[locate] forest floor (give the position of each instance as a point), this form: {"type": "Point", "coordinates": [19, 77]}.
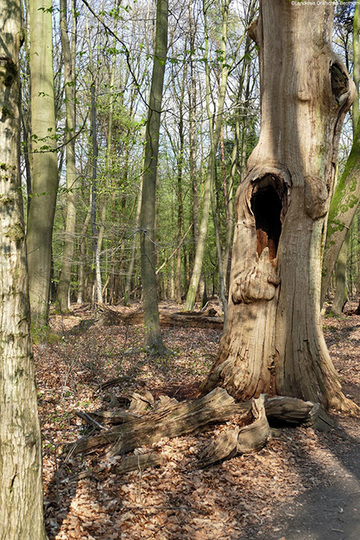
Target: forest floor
{"type": "Point", "coordinates": [304, 484]}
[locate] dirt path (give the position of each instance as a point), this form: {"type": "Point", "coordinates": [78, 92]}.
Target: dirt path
{"type": "Point", "coordinates": [330, 510]}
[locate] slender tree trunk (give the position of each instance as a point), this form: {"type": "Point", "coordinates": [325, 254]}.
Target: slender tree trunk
{"type": "Point", "coordinates": [21, 496]}
{"type": "Point", "coordinates": [273, 339]}
{"type": "Point", "coordinates": [153, 339]}
{"type": "Point", "coordinates": [95, 151]}
{"type": "Point", "coordinates": [44, 161]}
{"type": "Point", "coordinates": [63, 291]}
{"type": "Point", "coordinates": [130, 271]}
{"type": "Point", "coordinates": [215, 136]}
{"type": "Point", "coordinates": [192, 134]}
{"type": "Point", "coordinates": [345, 200]}
{"type": "Point", "coordinates": [340, 280]}
{"type": "Point", "coordinates": [82, 240]}
{"type": "Point", "coordinates": [108, 165]}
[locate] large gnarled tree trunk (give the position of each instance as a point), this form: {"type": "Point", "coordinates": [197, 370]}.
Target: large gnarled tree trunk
{"type": "Point", "coordinates": [273, 339]}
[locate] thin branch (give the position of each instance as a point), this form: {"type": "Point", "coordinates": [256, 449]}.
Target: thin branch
{"type": "Point", "coordinates": [173, 253]}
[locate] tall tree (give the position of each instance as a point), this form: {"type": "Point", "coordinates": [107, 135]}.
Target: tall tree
{"type": "Point", "coordinates": [345, 200]}
{"type": "Point", "coordinates": [215, 128]}
{"type": "Point", "coordinates": [20, 446]}
{"type": "Point", "coordinates": [273, 340]}
{"type": "Point", "coordinates": [69, 51]}
{"type": "Point", "coordinates": [153, 338]}
{"type": "Point", "coordinates": [44, 161]}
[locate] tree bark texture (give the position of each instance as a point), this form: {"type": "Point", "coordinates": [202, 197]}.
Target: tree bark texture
{"type": "Point", "coordinates": [44, 161]}
{"type": "Point", "coordinates": [273, 340]}
{"type": "Point", "coordinates": [63, 290]}
{"type": "Point", "coordinates": [347, 192]}
{"type": "Point", "coordinates": [139, 426]}
{"type": "Point", "coordinates": [153, 339]}
{"type": "Point", "coordinates": [20, 445]}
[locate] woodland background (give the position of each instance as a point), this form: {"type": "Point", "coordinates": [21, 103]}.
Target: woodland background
{"type": "Point", "coordinates": [111, 52]}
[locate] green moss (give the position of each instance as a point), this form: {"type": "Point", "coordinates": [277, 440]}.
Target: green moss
{"type": "Point", "coordinates": [44, 334]}
{"type": "Point", "coordinates": [16, 233]}
{"type": "Point", "coordinates": [6, 200]}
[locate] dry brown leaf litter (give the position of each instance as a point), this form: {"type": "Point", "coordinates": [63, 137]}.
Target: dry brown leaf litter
{"type": "Point", "coordinates": [251, 496]}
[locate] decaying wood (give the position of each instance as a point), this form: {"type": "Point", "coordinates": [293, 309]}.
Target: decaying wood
{"type": "Point", "coordinates": [107, 316]}
{"type": "Point", "coordinates": [140, 462]}
{"type": "Point", "coordinates": [291, 410]}
{"type": "Point", "coordinates": [273, 336]}
{"type": "Point", "coordinates": [118, 416]}
{"type": "Point", "coordinates": [240, 440]}
{"type": "Point", "coordinates": [254, 436]}
{"type": "Point", "coordinates": [141, 402]}
{"type": "Point", "coordinates": [178, 419]}
{"type": "Point", "coordinates": [170, 418]}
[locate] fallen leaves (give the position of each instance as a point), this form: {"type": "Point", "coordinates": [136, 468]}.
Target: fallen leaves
{"type": "Point", "coordinates": [246, 497]}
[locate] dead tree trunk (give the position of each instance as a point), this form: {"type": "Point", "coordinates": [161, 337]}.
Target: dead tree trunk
{"type": "Point", "coordinates": [273, 339]}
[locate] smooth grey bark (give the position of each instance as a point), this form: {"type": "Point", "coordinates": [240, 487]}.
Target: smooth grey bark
{"type": "Point", "coordinates": [95, 153]}
{"type": "Point", "coordinates": [44, 161]}
{"type": "Point", "coordinates": [63, 290]}
{"type": "Point", "coordinates": [21, 496]}
{"type": "Point", "coordinates": [192, 132]}
{"type": "Point", "coordinates": [153, 338]}
{"type": "Point", "coordinates": [273, 340]}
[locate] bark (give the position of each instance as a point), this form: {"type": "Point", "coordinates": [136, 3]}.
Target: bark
{"type": "Point", "coordinates": [20, 444]}
{"type": "Point", "coordinates": [81, 277]}
{"type": "Point", "coordinates": [153, 339]}
{"type": "Point", "coordinates": [130, 271]}
{"type": "Point", "coordinates": [63, 290]}
{"type": "Point", "coordinates": [273, 339]}
{"type": "Point", "coordinates": [108, 165]}
{"type": "Point", "coordinates": [340, 298]}
{"type": "Point", "coordinates": [169, 418]}
{"type": "Point", "coordinates": [346, 196]}
{"type": "Point", "coordinates": [95, 152]}
{"type": "Point", "coordinates": [240, 440]}
{"type": "Point", "coordinates": [44, 161]}
{"type": "Point", "coordinates": [192, 132]}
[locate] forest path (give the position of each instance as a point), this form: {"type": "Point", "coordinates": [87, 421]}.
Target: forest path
{"type": "Point", "coordinates": [331, 509]}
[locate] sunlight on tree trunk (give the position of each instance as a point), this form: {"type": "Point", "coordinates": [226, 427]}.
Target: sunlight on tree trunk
{"type": "Point", "coordinates": [153, 339]}
{"type": "Point", "coordinates": [273, 340]}
{"type": "Point", "coordinates": [44, 161]}
{"type": "Point", "coordinates": [345, 200]}
{"type": "Point", "coordinates": [20, 444]}
{"type": "Point", "coordinates": [63, 290]}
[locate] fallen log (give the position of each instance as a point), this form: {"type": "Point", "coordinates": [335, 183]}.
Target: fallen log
{"type": "Point", "coordinates": [140, 462]}
{"type": "Point", "coordinates": [240, 440]}
{"type": "Point", "coordinates": [294, 411]}
{"type": "Point", "coordinates": [107, 316]}
{"type": "Point", "coordinates": [173, 419]}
